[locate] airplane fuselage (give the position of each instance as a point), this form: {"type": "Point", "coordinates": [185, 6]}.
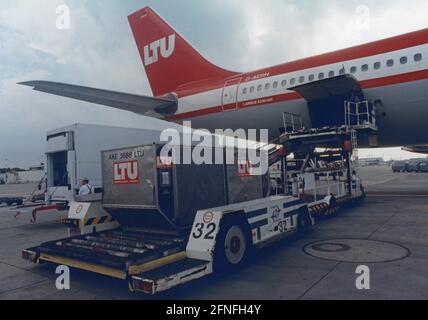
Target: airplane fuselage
{"type": "Point", "coordinates": [391, 73]}
{"type": "Point", "coordinates": [396, 78]}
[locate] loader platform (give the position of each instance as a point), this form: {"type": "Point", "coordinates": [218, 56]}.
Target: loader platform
{"type": "Point", "coordinates": [118, 253]}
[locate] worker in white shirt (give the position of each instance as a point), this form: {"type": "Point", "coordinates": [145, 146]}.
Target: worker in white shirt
{"type": "Point", "coordinates": [86, 188]}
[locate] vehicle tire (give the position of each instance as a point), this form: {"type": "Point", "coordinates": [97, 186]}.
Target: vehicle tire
{"type": "Point", "coordinates": [303, 222]}
{"type": "Point", "coordinates": [233, 245]}
{"type": "Point", "coordinates": [19, 203]}
{"type": "Point", "coordinates": [9, 203]}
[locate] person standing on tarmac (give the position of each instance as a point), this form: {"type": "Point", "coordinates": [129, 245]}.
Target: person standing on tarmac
{"type": "Point", "coordinates": [86, 188]}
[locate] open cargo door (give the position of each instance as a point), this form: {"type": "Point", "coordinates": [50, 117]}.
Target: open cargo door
{"type": "Point", "coordinates": [326, 99]}
{"type": "Point", "coordinates": [59, 148]}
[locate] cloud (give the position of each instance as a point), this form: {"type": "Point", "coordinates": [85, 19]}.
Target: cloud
{"type": "Point", "coordinates": [99, 50]}
{"type": "Point", "coordinates": [271, 31]}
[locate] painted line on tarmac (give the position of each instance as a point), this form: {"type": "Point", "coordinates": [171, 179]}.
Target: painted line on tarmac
{"type": "Point", "coordinates": [380, 182]}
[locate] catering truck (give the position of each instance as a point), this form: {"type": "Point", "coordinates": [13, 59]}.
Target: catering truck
{"type": "Point", "coordinates": [10, 200]}
{"type": "Point", "coordinates": [73, 153]}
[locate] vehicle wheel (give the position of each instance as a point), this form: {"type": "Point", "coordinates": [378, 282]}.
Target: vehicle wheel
{"type": "Point", "coordinates": [233, 245]}
{"type": "Point", "coordinates": [19, 203]}
{"type": "Point", "coordinates": [9, 203]}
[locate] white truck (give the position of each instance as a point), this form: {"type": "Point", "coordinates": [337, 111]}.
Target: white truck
{"type": "Point", "coordinates": [73, 153]}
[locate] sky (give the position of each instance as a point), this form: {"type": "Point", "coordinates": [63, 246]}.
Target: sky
{"type": "Point", "coordinates": [99, 51]}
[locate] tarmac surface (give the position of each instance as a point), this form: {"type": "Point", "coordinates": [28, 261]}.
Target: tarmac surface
{"type": "Point", "coordinates": [388, 233]}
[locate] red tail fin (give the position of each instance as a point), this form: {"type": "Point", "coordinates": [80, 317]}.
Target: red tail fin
{"type": "Point", "coordinates": [168, 59]}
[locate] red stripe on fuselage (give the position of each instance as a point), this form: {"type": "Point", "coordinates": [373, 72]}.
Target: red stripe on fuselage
{"type": "Point", "coordinates": [366, 84]}
{"type": "Point", "coordinates": [401, 42]}
{"type": "Point", "coordinates": [395, 79]}
{"type": "Point", "coordinates": [405, 41]}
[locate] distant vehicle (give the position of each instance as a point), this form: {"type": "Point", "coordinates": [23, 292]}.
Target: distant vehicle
{"type": "Point", "coordinates": [415, 165]}
{"type": "Point", "coordinates": [423, 166]}
{"type": "Point", "coordinates": [400, 166]}
{"type": "Point", "coordinates": [371, 162]}
{"type": "Point", "coordinates": [11, 200]}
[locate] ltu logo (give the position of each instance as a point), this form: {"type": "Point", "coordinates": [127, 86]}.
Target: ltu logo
{"type": "Point", "coordinates": [126, 172]}
{"type": "Point", "coordinates": [151, 51]}
{"type": "Point", "coordinates": [276, 211]}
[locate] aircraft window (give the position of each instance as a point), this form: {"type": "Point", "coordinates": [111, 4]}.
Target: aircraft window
{"type": "Point", "coordinates": [275, 84]}
{"type": "Point", "coordinates": [284, 83]}
{"type": "Point", "coordinates": [403, 60]}
{"type": "Point", "coordinates": [321, 76]}
{"type": "Point", "coordinates": [252, 89]}
{"type": "Point", "coordinates": [267, 86]}
{"type": "Point", "coordinates": [311, 77]}
{"type": "Point", "coordinates": [302, 79]}
{"type": "Point", "coordinates": [353, 70]}
{"type": "Point", "coordinates": [390, 63]}
{"type": "Point", "coordinates": [418, 57]}
{"type": "Point", "coordinates": [259, 87]}
{"type": "Point", "coordinates": [292, 81]}
{"type": "Point", "coordinates": [331, 74]}
{"type": "Point", "coordinates": [245, 91]}
{"type": "Point", "coordinates": [365, 68]}
{"type": "Point", "coordinates": [377, 65]}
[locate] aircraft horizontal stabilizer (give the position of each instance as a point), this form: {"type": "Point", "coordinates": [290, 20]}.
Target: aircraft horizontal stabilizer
{"type": "Point", "coordinates": [143, 105]}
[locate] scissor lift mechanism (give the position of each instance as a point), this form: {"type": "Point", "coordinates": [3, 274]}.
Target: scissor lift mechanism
{"type": "Point", "coordinates": [336, 148]}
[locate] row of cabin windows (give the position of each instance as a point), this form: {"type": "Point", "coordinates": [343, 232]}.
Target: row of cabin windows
{"type": "Point", "coordinates": [364, 68]}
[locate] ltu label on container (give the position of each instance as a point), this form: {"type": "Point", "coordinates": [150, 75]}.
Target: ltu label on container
{"type": "Point", "coordinates": [126, 172]}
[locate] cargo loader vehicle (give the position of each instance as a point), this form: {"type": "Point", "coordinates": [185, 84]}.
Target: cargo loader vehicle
{"type": "Point", "coordinates": [180, 222]}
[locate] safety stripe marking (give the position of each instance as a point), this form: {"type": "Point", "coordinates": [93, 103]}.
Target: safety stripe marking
{"type": "Point", "coordinates": [292, 203]}
{"type": "Point", "coordinates": [318, 207]}
{"type": "Point", "coordinates": [253, 214]}
{"type": "Point", "coordinates": [98, 220]}
{"type": "Point", "coordinates": [259, 224]}
{"type": "Point", "coordinates": [290, 213]}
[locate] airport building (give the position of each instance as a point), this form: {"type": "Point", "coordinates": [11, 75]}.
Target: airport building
{"type": "Point", "coordinates": [33, 175]}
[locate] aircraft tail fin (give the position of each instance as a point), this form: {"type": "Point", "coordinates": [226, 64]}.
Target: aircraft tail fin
{"type": "Point", "coordinates": [168, 59]}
